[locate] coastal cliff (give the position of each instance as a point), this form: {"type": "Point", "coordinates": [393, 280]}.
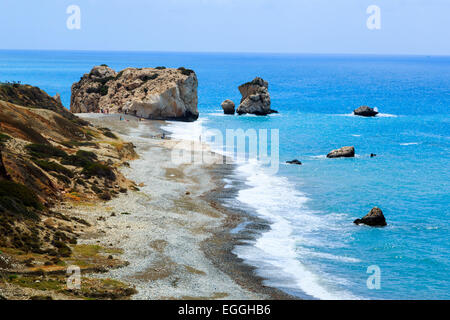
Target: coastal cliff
{"type": "Point", "coordinates": [50, 157]}
{"type": "Point", "coordinates": [152, 93]}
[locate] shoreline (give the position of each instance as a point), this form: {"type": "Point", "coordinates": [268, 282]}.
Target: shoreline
{"type": "Point", "coordinates": [248, 227]}
{"type": "Point", "coordinates": [210, 270]}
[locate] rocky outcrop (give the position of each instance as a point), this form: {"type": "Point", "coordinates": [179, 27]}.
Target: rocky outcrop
{"type": "Point", "coordinates": [57, 97]}
{"type": "Point", "coordinates": [152, 93]}
{"type": "Point", "coordinates": [344, 152]}
{"type": "Point", "coordinates": [295, 161]}
{"type": "Point", "coordinates": [255, 98]}
{"type": "Point", "coordinates": [365, 111]}
{"type": "Point", "coordinates": [374, 218]}
{"type": "Point", "coordinates": [228, 107]}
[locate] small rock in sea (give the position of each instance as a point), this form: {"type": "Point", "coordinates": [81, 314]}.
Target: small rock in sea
{"type": "Point", "coordinates": [365, 111]}
{"type": "Point", "coordinates": [344, 152]}
{"type": "Point", "coordinates": [228, 107]}
{"type": "Point", "coordinates": [373, 155]}
{"type": "Point", "coordinates": [374, 218]}
{"type": "Point", "coordinates": [295, 161]}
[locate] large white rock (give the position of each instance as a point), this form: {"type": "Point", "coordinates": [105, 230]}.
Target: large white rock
{"type": "Point", "coordinates": [153, 93]}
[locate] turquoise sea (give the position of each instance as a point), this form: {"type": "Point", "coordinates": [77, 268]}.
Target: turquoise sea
{"type": "Point", "coordinates": [312, 248]}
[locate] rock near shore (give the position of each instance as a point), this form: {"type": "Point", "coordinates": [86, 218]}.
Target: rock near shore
{"type": "Point", "coordinates": [344, 152]}
{"type": "Point", "coordinates": [152, 93]}
{"type": "Point", "coordinates": [365, 111]}
{"type": "Point", "coordinates": [228, 107]}
{"type": "Point", "coordinates": [374, 218]}
{"type": "Point", "coordinates": [295, 161]}
{"type": "Point", "coordinates": [255, 98]}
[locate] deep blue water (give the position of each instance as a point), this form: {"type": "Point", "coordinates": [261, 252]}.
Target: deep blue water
{"type": "Point", "coordinates": [313, 248]}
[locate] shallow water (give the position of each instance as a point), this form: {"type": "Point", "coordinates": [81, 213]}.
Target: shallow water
{"type": "Point", "coordinates": [313, 249]}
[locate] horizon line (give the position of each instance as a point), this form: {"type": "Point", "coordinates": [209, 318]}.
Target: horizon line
{"type": "Point", "coordinates": [236, 52]}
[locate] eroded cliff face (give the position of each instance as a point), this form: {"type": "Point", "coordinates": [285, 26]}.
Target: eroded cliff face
{"type": "Point", "coordinates": [152, 93]}
{"type": "Point", "coordinates": [49, 156]}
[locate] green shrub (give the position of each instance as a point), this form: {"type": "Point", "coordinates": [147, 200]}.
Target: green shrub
{"type": "Point", "coordinates": [96, 189]}
{"type": "Point", "coordinates": [92, 90]}
{"type": "Point", "coordinates": [53, 166]}
{"type": "Point", "coordinates": [104, 90]}
{"type": "Point", "coordinates": [105, 196]}
{"type": "Point", "coordinates": [4, 137]}
{"type": "Point", "coordinates": [63, 249]}
{"type": "Point", "coordinates": [62, 178]}
{"type": "Point", "coordinates": [86, 154]}
{"type": "Point", "coordinates": [103, 81]}
{"type": "Point", "coordinates": [15, 193]}
{"type": "Point", "coordinates": [186, 72]}
{"type": "Point", "coordinates": [81, 159]}
{"type": "Point", "coordinates": [149, 77]}
{"type": "Point", "coordinates": [160, 68]}
{"type": "Point", "coordinates": [44, 151]}
{"type": "Point", "coordinates": [109, 134]}
{"type": "Point", "coordinates": [104, 65]}
{"type": "Point", "coordinates": [76, 161]}
{"type": "Point", "coordinates": [99, 170]}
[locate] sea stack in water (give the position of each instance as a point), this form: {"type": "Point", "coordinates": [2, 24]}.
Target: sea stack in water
{"type": "Point", "coordinates": [228, 107]}
{"type": "Point", "coordinates": [344, 152]}
{"type": "Point", "coordinates": [295, 161]}
{"type": "Point", "coordinates": [365, 111]}
{"type": "Point", "coordinates": [152, 93]}
{"type": "Point", "coordinates": [374, 218]}
{"type": "Point", "coordinates": [255, 98]}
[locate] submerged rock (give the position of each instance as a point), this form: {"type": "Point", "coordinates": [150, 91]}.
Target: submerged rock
{"type": "Point", "coordinates": [295, 161]}
{"type": "Point", "coordinates": [374, 218]}
{"type": "Point", "coordinates": [344, 152]}
{"type": "Point", "coordinates": [365, 111]}
{"type": "Point", "coordinates": [228, 107]}
{"type": "Point", "coordinates": [255, 98]}
{"type": "Point", "coordinates": [152, 93]}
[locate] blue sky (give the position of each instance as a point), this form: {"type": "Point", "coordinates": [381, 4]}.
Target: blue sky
{"type": "Point", "coordinates": [292, 26]}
